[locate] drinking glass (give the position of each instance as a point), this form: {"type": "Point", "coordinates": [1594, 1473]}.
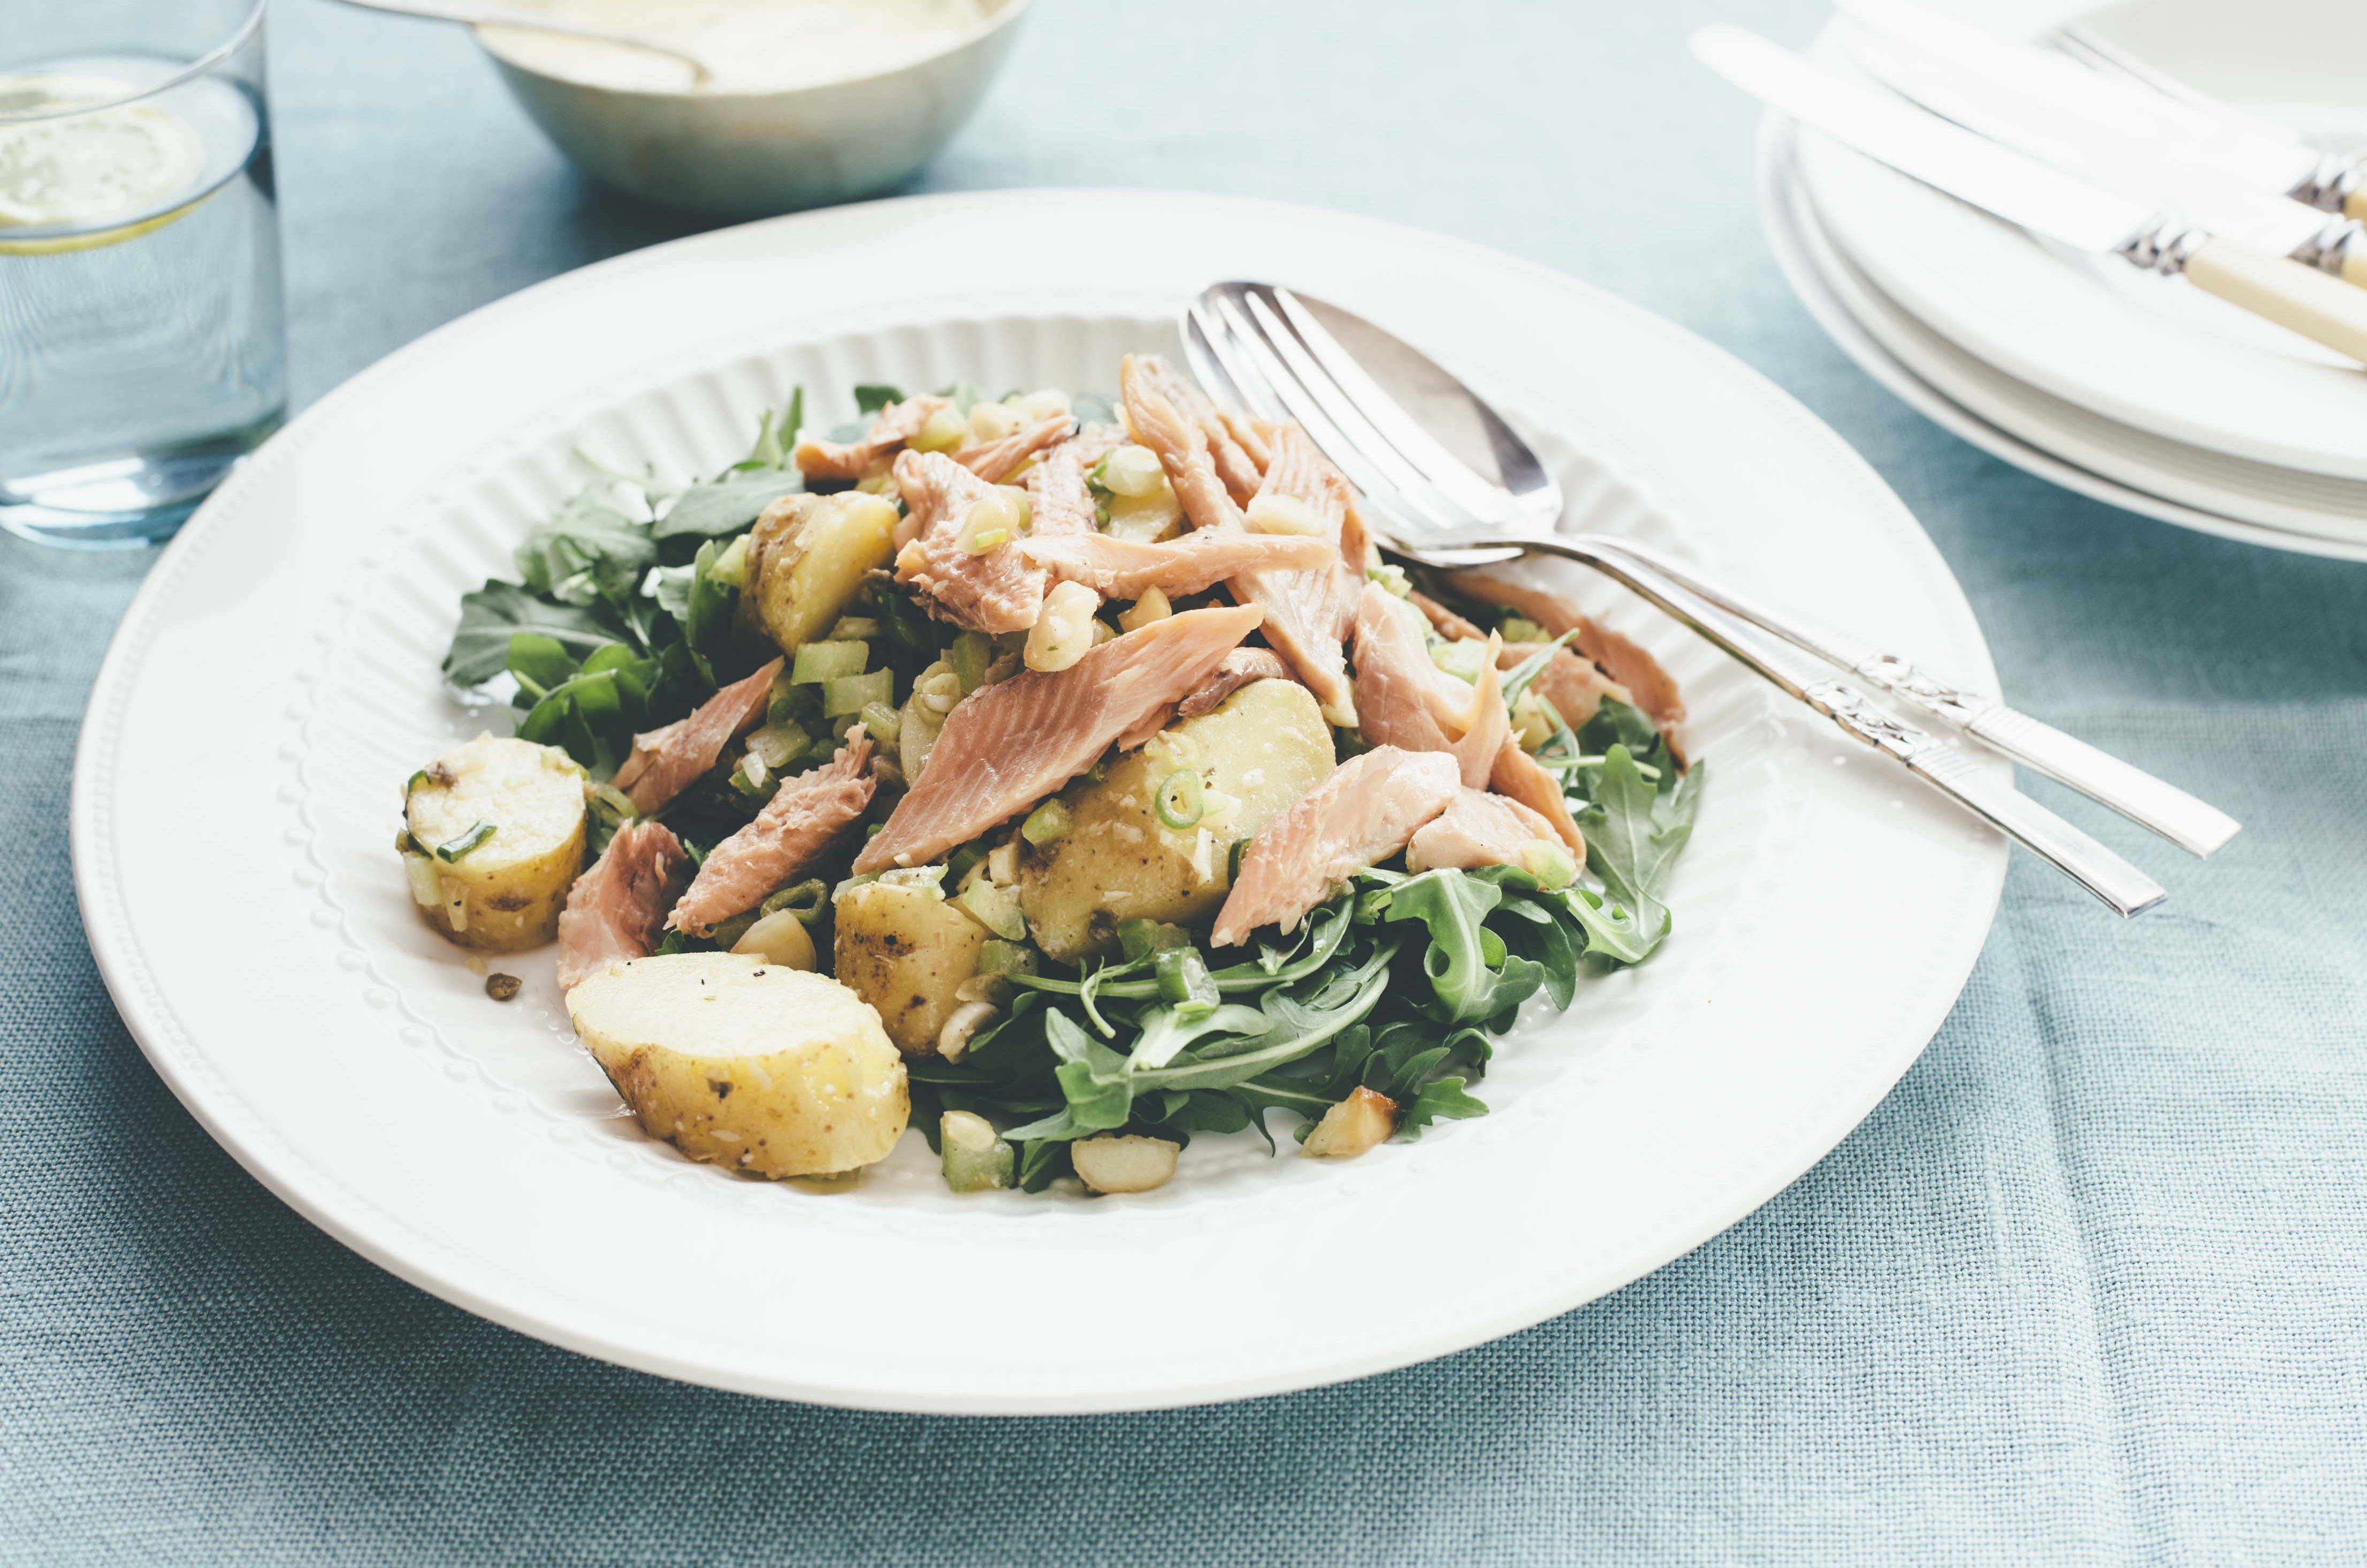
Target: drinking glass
{"type": "Point", "coordinates": [141, 343]}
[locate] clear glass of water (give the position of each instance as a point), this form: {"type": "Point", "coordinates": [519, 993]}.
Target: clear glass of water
{"type": "Point", "coordinates": [140, 341]}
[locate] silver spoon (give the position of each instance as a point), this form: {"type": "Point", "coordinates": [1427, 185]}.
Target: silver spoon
{"type": "Point", "coordinates": [495, 16]}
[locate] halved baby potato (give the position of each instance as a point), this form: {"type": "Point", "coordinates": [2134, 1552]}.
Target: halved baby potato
{"type": "Point", "coordinates": [509, 813]}
{"type": "Point", "coordinates": [906, 950]}
{"type": "Point", "coordinates": [1264, 747]}
{"type": "Point", "coordinates": [807, 557]}
{"type": "Point", "coordinates": [742, 1062]}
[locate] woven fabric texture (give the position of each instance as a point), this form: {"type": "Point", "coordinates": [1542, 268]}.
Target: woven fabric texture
{"type": "Point", "coordinates": [2086, 1289]}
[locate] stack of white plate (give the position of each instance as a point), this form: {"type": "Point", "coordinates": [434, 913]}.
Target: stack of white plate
{"type": "Point", "coordinates": [2133, 389]}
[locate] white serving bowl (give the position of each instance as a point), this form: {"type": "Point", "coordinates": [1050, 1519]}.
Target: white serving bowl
{"type": "Point", "coordinates": [738, 154]}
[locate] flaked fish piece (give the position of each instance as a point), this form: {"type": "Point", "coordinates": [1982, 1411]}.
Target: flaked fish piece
{"type": "Point", "coordinates": [1519, 776]}
{"type": "Point", "coordinates": [1058, 503]}
{"type": "Point", "coordinates": [1251, 435]}
{"type": "Point", "coordinates": [1128, 568]}
{"type": "Point", "coordinates": [992, 591]}
{"type": "Point", "coordinates": [794, 830]}
{"type": "Point", "coordinates": [1574, 686]}
{"type": "Point", "coordinates": [995, 461]}
{"type": "Point", "coordinates": [666, 761]}
{"type": "Point", "coordinates": [1007, 746]}
{"type": "Point", "coordinates": [1365, 812]}
{"type": "Point", "coordinates": [1239, 668]}
{"type": "Point", "coordinates": [1480, 829]}
{"type": "Point", "coordinates": [1307, 614]}
{"type": "Point", "coordinates": [1405, 700]}
{"type": "Point", "coordinates": [1093, 442]}
{"type": "Point", "coordinates": [617, 910]}
{"type": "Point", "coordinates": [1622, 659]}
{"type": "Point", "coordinates": [891, 428]}
{"type": "Point", "coordinates": [1240, 473]}
{"type": "Point", "coordinates": [1445, 622]}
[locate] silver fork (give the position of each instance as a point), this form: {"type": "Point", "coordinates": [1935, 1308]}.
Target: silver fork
{"type": "Point", "coordinates": [1261, 349]}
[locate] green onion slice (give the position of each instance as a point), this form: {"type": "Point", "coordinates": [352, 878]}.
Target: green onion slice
{"type": "Point", "coordinates": [454, 849]}
{"type": "Point", "coordinates": [1179, 801]}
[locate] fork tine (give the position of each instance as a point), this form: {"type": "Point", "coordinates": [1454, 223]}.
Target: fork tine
{"type": "Point", "coordinates": [1333, 420]}
{"type": "Point", "coordinates": [1209, 350]}
{"type": "Point", "coordinates": [1258, 365]}
{"type": "Point", "coordinates": [1456, 479]}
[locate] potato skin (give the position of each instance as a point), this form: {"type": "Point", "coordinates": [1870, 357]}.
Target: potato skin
{"type": "Point", "coordinates": [905, 951]}
{"type": "Point", "coordinates": [1266, 746]}
{"type": "Point", "coordinates": [807, 558]}
{"type": "Point", "coordinates": [744, 1063]}
{"type": "Point", "coordinates": [505, 895]}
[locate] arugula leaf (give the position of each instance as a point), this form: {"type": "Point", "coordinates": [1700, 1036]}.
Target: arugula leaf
{"type": "Point", "coordinates": [588, 549]}
{"type": "Point", "coordinates": [1631, 843]}
{"type": "Point", "coordinates": [726, 505]}
{"type": "Point", "coordinates": [1469, 979]}
{"type": "Point", "coordinates": [1612, 931]}
{"type": "Point", "coordinates": [1441, 1098]}
{"type": "Point", "coordinates": [871, 397]}
{"type": "Point", "coordinates": [480, 644]}
{"type": "Point", "coordinates": [1093, 407]}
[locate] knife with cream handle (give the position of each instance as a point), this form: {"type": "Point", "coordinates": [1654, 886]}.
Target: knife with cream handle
{"type": "Point", "coordinates": [2035, 196]}
{"type": "Point", "coordinates": [2134, 166]}
{"type": "Point", "coordinates": [2335, 181]}
{"type": "Point", "coordinates": [2128, 101]}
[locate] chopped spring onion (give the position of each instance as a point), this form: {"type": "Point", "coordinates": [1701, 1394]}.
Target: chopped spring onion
{"type": "Point", "coordinates": [1046, 823]}
{"type": "Point", "coordinates": [855, 629]}
{"type": "Point", "coordinates": [753, 770]}
{"type": "Point", "coordinates": [1238, 847]}
{"type": "Point", "coordinates": [944, 431]}
{"type": "Point", "coordinates": [1391, 577]}
{"type": "Point", "coordinates": [414, 782]}
{"type": "Point", "coordinates": [996, 956]}
{"type": "Point", "coordinates": [1139, 939]}
{"type": "Point", "coordinates": [804, 900]}
{"type": "Point", "coordinates": [1183, 980]}
{"type": "Point", "coordinates": [1520, 628]}
{"type": "Point", "coordinates": [819, 661]}
{"type": "Point", "coordinates": [778, 744]}
{"type": "Point", "coordinates": [997, 908]}
{"type": "Point", "coordinates": [986, 540]}
{"type": "Point", "coordinates": [969, 656]}
{"type": "Point", "coordinates": [973, 1158]}
{"type": "Point", "coordinates": [884, 723]}
{"type": "Point", "coordinates": [730, 567]}
{"type": "Point", "coordinates": [849, 693]}
{"type": "Point", "coordinates": [1462, 660]}
{"type": "Point", "coordinates": [454, 849]}
{"type": "Point", "coordinates": [1179, 799]}
{"type": "Point", "coordinates": [964, 861]}
{"type": "Point", "coordinates": [789, 702]}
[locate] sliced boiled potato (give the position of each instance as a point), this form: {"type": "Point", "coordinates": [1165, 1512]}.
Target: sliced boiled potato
{"type": "Point", "coordinates": [1363, 1120]}
{"type": "Point", "coordinates": [504, 891]}
{"type": "Point", "coordinates": [1125, 1165]}
{"type": "Point", "coordinates": [808, 555]}
{"type": "Point", "coordinates": [743, 1063]}
{"type": "Point", "coordinates": [906, 950]}
{"type": "Point", "coordinates": [1262, 748]}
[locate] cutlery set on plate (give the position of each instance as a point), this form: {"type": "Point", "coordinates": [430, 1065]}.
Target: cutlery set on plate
{"type": "Point", "coordinates": [1267, 352]}
{"type": "Point", "coordinates": [2048, 343]}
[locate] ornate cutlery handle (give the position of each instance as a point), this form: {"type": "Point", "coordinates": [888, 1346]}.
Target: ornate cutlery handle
{"type": "Point", "coordinates": [2193, 825]}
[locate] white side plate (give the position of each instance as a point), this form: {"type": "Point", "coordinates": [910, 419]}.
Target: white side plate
{"type": "Point", "coordinates": [2151, 353]}
{"type": "Point", "coordinates": [235, 801]}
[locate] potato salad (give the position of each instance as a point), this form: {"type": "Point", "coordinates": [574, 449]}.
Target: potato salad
{"type": "Point", "coordinates": [1059, 775]}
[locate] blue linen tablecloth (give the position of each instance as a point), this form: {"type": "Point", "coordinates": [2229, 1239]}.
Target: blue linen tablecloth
{"type": "Point", "coordinates": [2086, 1288]}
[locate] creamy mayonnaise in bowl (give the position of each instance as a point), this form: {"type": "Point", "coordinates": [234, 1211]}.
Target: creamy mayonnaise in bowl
{"type": "Point", "coordinates": [806, 102]}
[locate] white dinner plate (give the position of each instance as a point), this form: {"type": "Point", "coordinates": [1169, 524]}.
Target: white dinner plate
{"type": "Point", "coordinates": [2150, 352]}
{"type": "Point", "coordinates": [2209, 491]}
{"type": "Point", "coordinates": [236, 792]}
